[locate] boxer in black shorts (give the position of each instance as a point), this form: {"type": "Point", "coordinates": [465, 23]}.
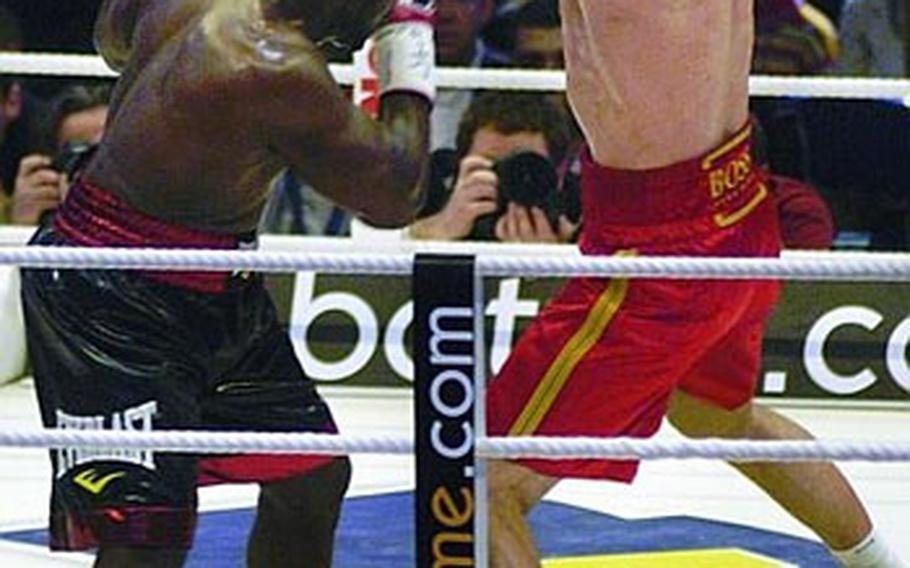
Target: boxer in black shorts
{"type": "Point", "coordinates": [215, 98]}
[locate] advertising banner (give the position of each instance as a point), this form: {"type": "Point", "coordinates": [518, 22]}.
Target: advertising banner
{"type": "Point", "coordinates": [825, 340]}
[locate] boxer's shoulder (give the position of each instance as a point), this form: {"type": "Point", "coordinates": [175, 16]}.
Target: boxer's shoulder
{"type": "Point", "coordinates": [239, 36]}
{"type": "Point", "coordinates": [231, 54]}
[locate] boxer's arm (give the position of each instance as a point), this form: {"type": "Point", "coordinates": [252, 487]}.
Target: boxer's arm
{"type": "Point", "coordinates": [287, 101]}
{"type": "Point", "coordinates": [374, 168]}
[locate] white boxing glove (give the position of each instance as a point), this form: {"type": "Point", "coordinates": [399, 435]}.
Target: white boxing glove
{"type": "Point", "coordinates": [406, 52]}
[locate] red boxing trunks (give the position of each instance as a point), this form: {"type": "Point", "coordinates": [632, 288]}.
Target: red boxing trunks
{"type": "Point", "coordinates": [604, 356]}
{"type": "Point", "coordinates": [134, 350]}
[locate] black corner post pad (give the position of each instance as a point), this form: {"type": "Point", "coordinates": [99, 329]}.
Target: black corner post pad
{"type": "Point", "coordinates": [444, 367]}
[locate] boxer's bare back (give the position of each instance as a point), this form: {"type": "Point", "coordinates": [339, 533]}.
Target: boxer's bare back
{"type": "Point", "coordinates": [656, 83]}
{"type": "Point", "coordinates": [217, 96]}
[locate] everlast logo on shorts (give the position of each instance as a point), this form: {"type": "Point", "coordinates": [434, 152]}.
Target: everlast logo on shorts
{"type": "Point", "coordinates": [730, 176]}
{"type": "Point", "coordinates": [135, 419]}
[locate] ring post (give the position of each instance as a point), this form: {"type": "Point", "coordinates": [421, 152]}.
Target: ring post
{"type": "Point", "coordinates": [447, 312]}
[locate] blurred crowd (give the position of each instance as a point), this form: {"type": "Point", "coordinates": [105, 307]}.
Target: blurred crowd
{"type": "Point", "coordinates": [504, 164]}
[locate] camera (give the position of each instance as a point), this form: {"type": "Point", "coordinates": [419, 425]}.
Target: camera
{"type": "Point", "coordinates": [527, 179]}
{"type": "Point", "coordinates": [72, 157]}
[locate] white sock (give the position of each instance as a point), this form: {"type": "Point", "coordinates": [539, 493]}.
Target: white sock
{"type": "Point", "coordinates": [871, 552]}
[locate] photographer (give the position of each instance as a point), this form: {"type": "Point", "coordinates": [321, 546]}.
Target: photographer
{"type": "Point", "coordinates": [502, 181]}
{"type": "Point", "coordinates": [73, 125]}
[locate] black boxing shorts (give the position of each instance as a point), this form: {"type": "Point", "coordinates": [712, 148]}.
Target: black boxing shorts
{"type": "Point", "coordinates": [144, 351]}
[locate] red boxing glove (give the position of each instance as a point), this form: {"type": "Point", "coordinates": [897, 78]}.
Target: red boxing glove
{"type": "Point", "coordinates": [406, 52]}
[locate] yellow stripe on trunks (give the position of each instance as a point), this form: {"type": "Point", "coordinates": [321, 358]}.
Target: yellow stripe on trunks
{"type": "Point", "coordinates": [572, 353]}
{"type": "Point", "coordinates": [714, 558]}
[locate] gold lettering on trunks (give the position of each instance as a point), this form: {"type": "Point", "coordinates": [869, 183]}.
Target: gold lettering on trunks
{"type": "Point", "coordinates": [730, 176]}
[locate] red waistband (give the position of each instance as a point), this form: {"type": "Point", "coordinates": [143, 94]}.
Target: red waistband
{"type": "Point", "coordinates": [707, 193]}
{"type": "Point", "coordinates": [93, 217]}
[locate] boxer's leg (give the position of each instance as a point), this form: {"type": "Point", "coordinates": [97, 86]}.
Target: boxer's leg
{"type": "Point", "coordinates": [815, 493]}
{"type": "Point", "coordinates": [296, 518]}
{"type": "Point", "coordinates": [514, 491]}
{"type": "Point", "coordinates": [264, 388]}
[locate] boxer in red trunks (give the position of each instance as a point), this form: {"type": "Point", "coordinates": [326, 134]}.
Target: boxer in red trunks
{"type": "Point", "coordinates": [215, 98]}
{"type": "Point", "coordinates": [668, 172]}
{"type": "Point", "coordinates": [605, 356]}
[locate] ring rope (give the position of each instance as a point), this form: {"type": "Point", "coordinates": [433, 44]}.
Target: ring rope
{"type": "Point", "coordinates": [490, 447]}
{"type": "Point", "coordinates": [498, 79]}
{"type": "Point", "coordinates": [202, 260]}
{"type": "Point", "coordinates": [869, 267]}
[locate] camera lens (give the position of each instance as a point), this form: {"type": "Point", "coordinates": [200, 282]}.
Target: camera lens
{"type": "Point", "coordinates": [71, 157]}
{"type": "Point", "coordinates": [527, 178]}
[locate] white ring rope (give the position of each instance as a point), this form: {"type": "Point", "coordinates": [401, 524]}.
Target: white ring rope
{"type": "Point", "coordinates": [55, 64]}
{"type": "Point", "coordinates": [711, 448]}
{"type": "Point", "coordinates": [203, 260]}
{"type": "Point", "coordinates": [492, 447]}
{"type": "Point", "coordinates": [868, 267]}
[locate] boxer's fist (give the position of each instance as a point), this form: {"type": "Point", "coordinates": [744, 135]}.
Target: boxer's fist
{"type": "Point", "coordinates": [406, 52]}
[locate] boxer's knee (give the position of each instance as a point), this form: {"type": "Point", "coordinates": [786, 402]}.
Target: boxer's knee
{"type": "Point", "coordinates": [515, 489]}
{"type": "Point", "coordinates": [296, 518]}
{"type": "Point", "coordinates": [322, 487]}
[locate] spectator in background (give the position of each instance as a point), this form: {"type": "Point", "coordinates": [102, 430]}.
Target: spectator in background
{"type": "Point", "coordinates": [805, 220]}
{"type": "Point", "coordinates": [73, 124]}
{"type": "Point", "coordinates": [10, 111]}
{"type": "Point", "coordinates": [531, 34]}
{"type": "Point", "coordinates": [15, 133]}
{"type": "Point", "coordinates": [792, 38]}
{"type": "Point", "coordinates": [876, 38]}
{"type": "Point", "coordinates": [459, 44]}
{"type": "Point", "coordinates": [467, 203]}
